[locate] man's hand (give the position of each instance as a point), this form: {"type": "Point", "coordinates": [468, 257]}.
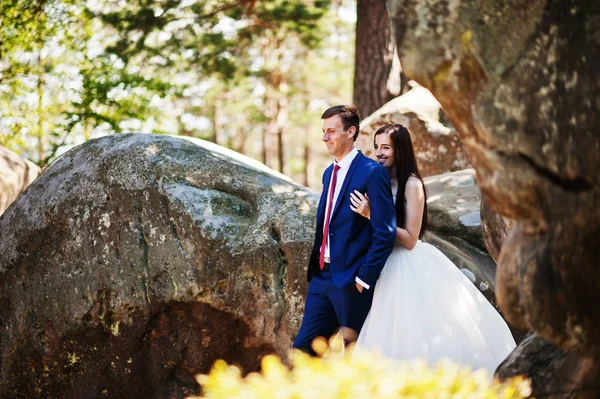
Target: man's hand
{"type": "Point", "coordinates": [359, 287]}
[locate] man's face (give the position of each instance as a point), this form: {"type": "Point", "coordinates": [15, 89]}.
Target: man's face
{"type": "Point", "coordinates": [338, 141]}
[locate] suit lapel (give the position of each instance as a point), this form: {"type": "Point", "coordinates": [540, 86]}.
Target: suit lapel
{"type": "Point", "coordinates": [347, 179]}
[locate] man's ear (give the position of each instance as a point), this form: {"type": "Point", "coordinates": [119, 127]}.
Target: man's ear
{"type": "Point", "coordinates": [351, 131]}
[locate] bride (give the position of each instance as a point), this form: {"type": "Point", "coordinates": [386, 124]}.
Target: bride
{"type": "Point", "coordinates": [423, 305]}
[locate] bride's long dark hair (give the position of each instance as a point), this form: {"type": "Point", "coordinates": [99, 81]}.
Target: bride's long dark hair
{"type": "Point", "coordinates": [406, 165]}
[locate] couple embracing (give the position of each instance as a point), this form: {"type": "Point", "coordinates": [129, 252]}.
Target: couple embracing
{"type": "Point", "coordinates": [370, 275]}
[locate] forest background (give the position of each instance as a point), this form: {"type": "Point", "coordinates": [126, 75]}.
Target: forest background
{"type": "Point", "coordinates": [250, 75]}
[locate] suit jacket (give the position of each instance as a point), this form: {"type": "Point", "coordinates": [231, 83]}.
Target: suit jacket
{"type": "Point", "coordinates": [358, 246]}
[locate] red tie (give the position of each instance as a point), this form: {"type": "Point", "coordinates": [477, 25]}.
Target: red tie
{"type": "Point", "coordinates": [326, 229]}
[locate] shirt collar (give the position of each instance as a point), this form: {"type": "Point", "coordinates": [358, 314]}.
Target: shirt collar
{"type": "Point", "coordinates": [347, 160]}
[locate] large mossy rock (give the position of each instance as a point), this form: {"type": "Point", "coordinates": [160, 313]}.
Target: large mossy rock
{"type": "Point", "coordinates": [554, 372]}
{"type": "Point", "coordinates": [437, 146]}
{"type": "Point", "coordinates": [455, 226]}
{"type": "Point", "coordinates": [16, 174]}
{"type": "Point", "coordinates": [135, 261]}
{"type": "Point", "coordinates": [453, 202]}
{"type": "Point", "coordinates": [520, 82]}
{"type": "Point", "coordinates": [495, 229]}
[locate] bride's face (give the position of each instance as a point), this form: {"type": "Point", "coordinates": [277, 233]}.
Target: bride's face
{"type": "Point", "coordinates": [384, 151]}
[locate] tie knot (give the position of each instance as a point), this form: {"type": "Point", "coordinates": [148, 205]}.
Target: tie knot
{"type": "Point", "coordinates": [336, 167]}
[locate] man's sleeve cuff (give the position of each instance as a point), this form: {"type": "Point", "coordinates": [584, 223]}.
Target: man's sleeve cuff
{"type": "Point", "coordinates": [359, 281]}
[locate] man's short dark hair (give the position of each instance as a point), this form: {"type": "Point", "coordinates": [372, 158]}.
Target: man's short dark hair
{"type": "Point", "coordinates": [348, 114]}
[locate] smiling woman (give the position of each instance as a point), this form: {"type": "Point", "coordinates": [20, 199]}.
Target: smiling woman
{"type": "Point", "coordinates": [384, 151]}
{"type": "Point", "coordinates": [423, 305]}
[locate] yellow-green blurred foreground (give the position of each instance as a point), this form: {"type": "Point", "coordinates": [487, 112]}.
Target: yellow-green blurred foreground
{"type": "Point", "coordinates": [363, 375]}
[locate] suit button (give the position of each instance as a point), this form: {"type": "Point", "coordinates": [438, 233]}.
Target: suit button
{"type": "Point", "coordinates": [330, 233]}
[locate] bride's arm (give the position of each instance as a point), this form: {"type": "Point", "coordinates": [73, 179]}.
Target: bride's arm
{"type": "Point", "coordinates": [415, 202]}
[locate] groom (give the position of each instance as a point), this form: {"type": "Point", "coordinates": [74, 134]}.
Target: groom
{"type": "Point", "coordinates": [349, 250]}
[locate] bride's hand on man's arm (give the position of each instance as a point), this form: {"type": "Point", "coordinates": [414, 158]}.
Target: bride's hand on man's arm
{"type": "Point", "coordinates": [360, 204]}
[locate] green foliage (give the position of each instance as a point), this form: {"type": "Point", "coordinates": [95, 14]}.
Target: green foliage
{"type": "Point", "coordinates": [214, 35]}
{"type": "Point", "coordinates": [242, 73]}
{"type": "Point", "coordinates": [51, 88]}
{"type": "Point", "coordinates": [366, 375]}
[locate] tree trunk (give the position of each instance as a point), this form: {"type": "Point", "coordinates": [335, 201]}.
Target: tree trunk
{"type": "Point", "coordinates": [86, 130]}
{"type": "Point", "coordinates": [272, 105]}
{"type": "Point", "coordinates": [264, 146]}
{"type": "Point", "coordinates": [280, 151]}
{"type": "Point", "coordinates": [282, 117]}
{"type": "Point", "coordinates": [306, 157]}
{"type": "Point", "coordinates": [373, 58]}
{"type": "Point", "coordinates": [240, 143]}
{"type": "Point", "coordinates": [275, 106]}
{"type": "Point", "coordinates": [217, 121]}
{"type": "Point", "coordinates": [40, 108]}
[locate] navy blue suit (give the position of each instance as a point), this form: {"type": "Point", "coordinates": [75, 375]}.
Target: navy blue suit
{"type": "Point", "coordinates": [358, 247]}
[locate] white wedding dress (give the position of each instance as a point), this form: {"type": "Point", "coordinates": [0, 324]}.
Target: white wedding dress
{"type": "Point", "coordinates": [425, 307]}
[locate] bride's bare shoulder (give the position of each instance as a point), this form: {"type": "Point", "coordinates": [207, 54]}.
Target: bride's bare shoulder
{"type": "Point", "coordinates": [414, 187]}
{"type": "Point", "coordinates": [413, 181]}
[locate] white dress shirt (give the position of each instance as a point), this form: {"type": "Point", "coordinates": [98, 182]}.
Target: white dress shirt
{"type": "Point", "coordinates": [344, 165]}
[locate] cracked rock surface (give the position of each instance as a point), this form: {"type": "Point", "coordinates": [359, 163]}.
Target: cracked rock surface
{"type": "Point", "coordinates": [143, 259]}
{"type": "Point", "coordinates": [520, 82]}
